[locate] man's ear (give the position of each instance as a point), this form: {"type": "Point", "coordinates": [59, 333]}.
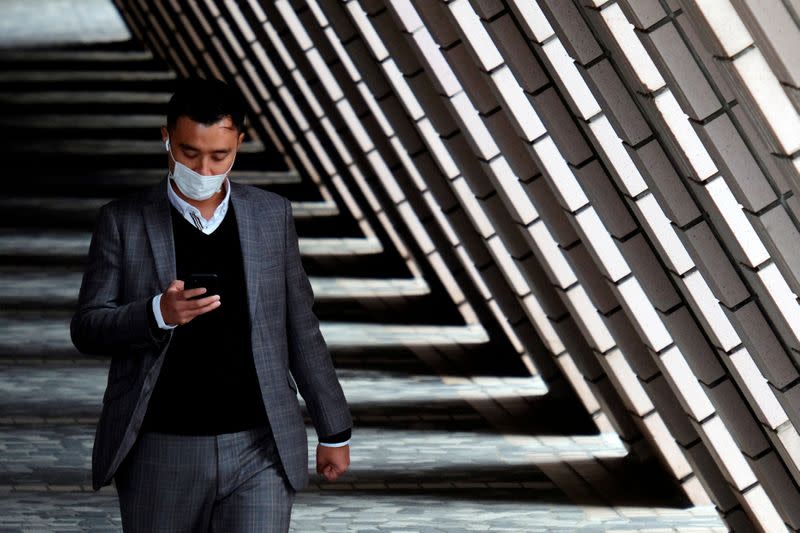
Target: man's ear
{"type": "Point", "coordinates": [164, 133]}
{"type": "Point", "coordinates": [241, 140]}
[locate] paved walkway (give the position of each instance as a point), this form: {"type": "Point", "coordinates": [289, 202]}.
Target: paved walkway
{"type": "Point", "coordinates": [423, 459]}
{"type": "Point", "coordinates": [51, 22]}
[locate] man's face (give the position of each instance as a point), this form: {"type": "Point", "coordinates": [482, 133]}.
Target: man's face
{"type": "Point", "coordinates": [205, 149]}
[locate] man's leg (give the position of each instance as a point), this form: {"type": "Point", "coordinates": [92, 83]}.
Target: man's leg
{"type": "Point", "coordinates": [167, 483]}
{"type": "Point", "coordinates": [254, 494]}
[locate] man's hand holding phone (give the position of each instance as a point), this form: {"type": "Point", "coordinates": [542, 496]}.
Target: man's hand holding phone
{"type": "Point", "coordinates": [179, 306]}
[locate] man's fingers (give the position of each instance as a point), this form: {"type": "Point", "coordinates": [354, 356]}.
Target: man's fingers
{"type": "Point", "coordinates": [203, 309]}
{"type": "Point", "coordinates": [330, 473]}
{"type": "Point", "coordinates": [200, 302]}
{"type": "Point", "coordinates": [191, 293]}
{"type": "Point", "coordinates": [175, 285]}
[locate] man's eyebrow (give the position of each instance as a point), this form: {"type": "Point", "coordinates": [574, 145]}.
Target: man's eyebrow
{"type": "Point", "coordinates": [186, 146]}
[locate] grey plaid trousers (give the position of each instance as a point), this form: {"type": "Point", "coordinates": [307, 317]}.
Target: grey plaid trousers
{"type": "Point", "coordinates": [232, 482]}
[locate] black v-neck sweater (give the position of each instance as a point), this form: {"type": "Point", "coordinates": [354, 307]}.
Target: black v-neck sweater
{"type": "Point", "coordinates": [208, 383]}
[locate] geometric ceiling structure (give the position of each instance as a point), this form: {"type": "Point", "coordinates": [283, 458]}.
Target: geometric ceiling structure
{"type": "Point", "coordinates": [610, 185]}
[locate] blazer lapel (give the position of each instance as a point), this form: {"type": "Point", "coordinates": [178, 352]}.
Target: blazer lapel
{"type": "Point", "coordinates": [251, 242]}
{"type": "Point", "coordinates": [158, 224]}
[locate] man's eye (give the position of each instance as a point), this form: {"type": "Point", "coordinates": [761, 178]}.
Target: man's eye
{"type": "Point", "coordinates": [219, 159]}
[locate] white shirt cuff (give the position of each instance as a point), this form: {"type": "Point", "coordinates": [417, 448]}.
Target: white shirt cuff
{"type": "Point", "coordinates": [157, 313]}
{"type": "Point", "coordinates": [335, 444]}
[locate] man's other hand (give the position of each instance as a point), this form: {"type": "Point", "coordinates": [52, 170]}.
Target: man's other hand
{"type": "Point", "coordinates": [178, 309]}
{"type": "Point", "coordinates": [332, 462]}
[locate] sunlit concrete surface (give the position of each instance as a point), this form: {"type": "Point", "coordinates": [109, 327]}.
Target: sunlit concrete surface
{"type": "Point", "coordinates": [59, 287]}
{"type": "Point", "coordinates": [37, 336]}
{"type": "Point", "coordinates": [74, 244]}
{"type": "Point", "coordinates": [51, 22]}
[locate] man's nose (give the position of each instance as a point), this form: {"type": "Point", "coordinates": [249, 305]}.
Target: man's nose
{"type": "Point", "coordinates": [204, 167]}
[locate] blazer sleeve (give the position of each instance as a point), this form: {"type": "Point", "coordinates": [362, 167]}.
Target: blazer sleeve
{"type": "Point", "coordinates": [102, 325]}
{"type": "Point", "coordinates": [309, 359]}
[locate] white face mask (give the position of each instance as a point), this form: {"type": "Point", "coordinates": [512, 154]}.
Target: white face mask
{"type": "Point", "coordinates": [194, 185]}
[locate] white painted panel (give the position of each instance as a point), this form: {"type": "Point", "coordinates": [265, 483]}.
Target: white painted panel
{"type": "Point", "coordinates": [334, 137]}
{"type": "Point", "coordinates": [294, 109]}
{"type": "Point", "coordinates": [700, 294]}
{"type": "Point", "coordinates": [684, 380]}
{"type": "Point", "coordinates": [517, 104]}
{"type": "Point", "coordinates": [311, 98]}
{"type": "Point", "coordinates": [733, 215]}
{"type": "Point", "coordinates": [625, 35]}
{"type": "Point", "coordinates": [599, 336]}
{"type": "Point", "coordinates": [726, 25]}
{"type": "Point", "coordinates": [678, 123]}
{"type": "Point", "coordinates": [664, 232]}
{"type": "Point", "coordinates": [512, 190]}
{"type": "Point", "coordinates": [407, 14]}
{"type": "Point", "coordinates": [761, 506]}
{"type": "Point", "coordinates": [535, 18]}
{"type": "Point", "coordinates": [672, 453]}
{"type": "Point", "coordinates": [758, 387]}
{"type": "Point", "coordinates": [542, 324]}
{"type": "Point", "coordinates": [556, 167]}
{"type": "Point", "coordinates": [571, 78]}
{"type": "Point", "coordinates": [579, 383]}
{"type": "Point", "coordinates": [438, 66]}
{"type": "Point", "coordinates": [624, 375]}
{"type": "Point", "coordinates": [424, 240]}
{"type": "Point", "coordinates": [344, 57]}
{"type": "Point", "coordinates": [771, 98]}
{"type": "Point", "coordinates": [322, 20]}
{"type": "Point", "coordinates": [277, 42]}
{"type": "Point", "coordinates": [641, 310]}
{"type": "Point", "coordinates": [368, 32]}
{"type": "Point", "coordinates": [354, 124]}
{"type": "Point", "coordinates": [483, 139]}
{"type": "Point", "coordinates": [438, 149]}
{"type": "Point", "coordinates": [476, 34]}
{"type": "Point", "coordinates": [621, 161]}
{"type": "Point", "coordinates": [603, 244]}
{"type": "Point", "coordinates": [548, 247]}
{"type": "Point", "coordinates": [785, 299]}
{"type": "Point", "coordinates": [324, 75]}
{"type": "Point", "coordinates": [508, 265]}
{"type": "Point", "coordinates": [272, 72]}
{"type": "Point", "coordinates": [377, 112]}
{"type": "Point", "coordinates": [404, 92]}
{"type": "Point", "coordinates": [383, 172]}
{"type": "Point", "coordinates": [294, 24]}
{"type": "Point", "coordinates": [472, 208]}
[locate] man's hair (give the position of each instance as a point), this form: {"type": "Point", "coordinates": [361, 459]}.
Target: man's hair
{"type": "Point", "coordinates": [206, 102]}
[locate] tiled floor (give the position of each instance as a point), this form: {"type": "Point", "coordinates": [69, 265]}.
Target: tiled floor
{"type": "Point", "coordinates": [436, 467]}
{"type": "Point", "coordinates": [45, 22]}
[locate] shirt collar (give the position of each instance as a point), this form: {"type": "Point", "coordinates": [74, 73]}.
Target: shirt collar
{"type": "Point", "coordinates": [192, 214]}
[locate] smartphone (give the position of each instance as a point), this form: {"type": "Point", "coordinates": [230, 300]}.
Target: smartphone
{"type": "Point", "coordinates": [209, 281]}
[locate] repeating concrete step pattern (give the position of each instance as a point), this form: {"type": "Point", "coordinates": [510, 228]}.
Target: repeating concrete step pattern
{"type": "Point", "coordinates": [75, 244]}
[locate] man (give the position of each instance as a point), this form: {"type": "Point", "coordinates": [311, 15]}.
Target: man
{"type": "Point", "coordinates": [201, 428]}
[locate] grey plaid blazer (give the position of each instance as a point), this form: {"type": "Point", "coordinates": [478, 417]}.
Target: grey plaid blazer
{"type": "Point", "coordinates": [132, 258]}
